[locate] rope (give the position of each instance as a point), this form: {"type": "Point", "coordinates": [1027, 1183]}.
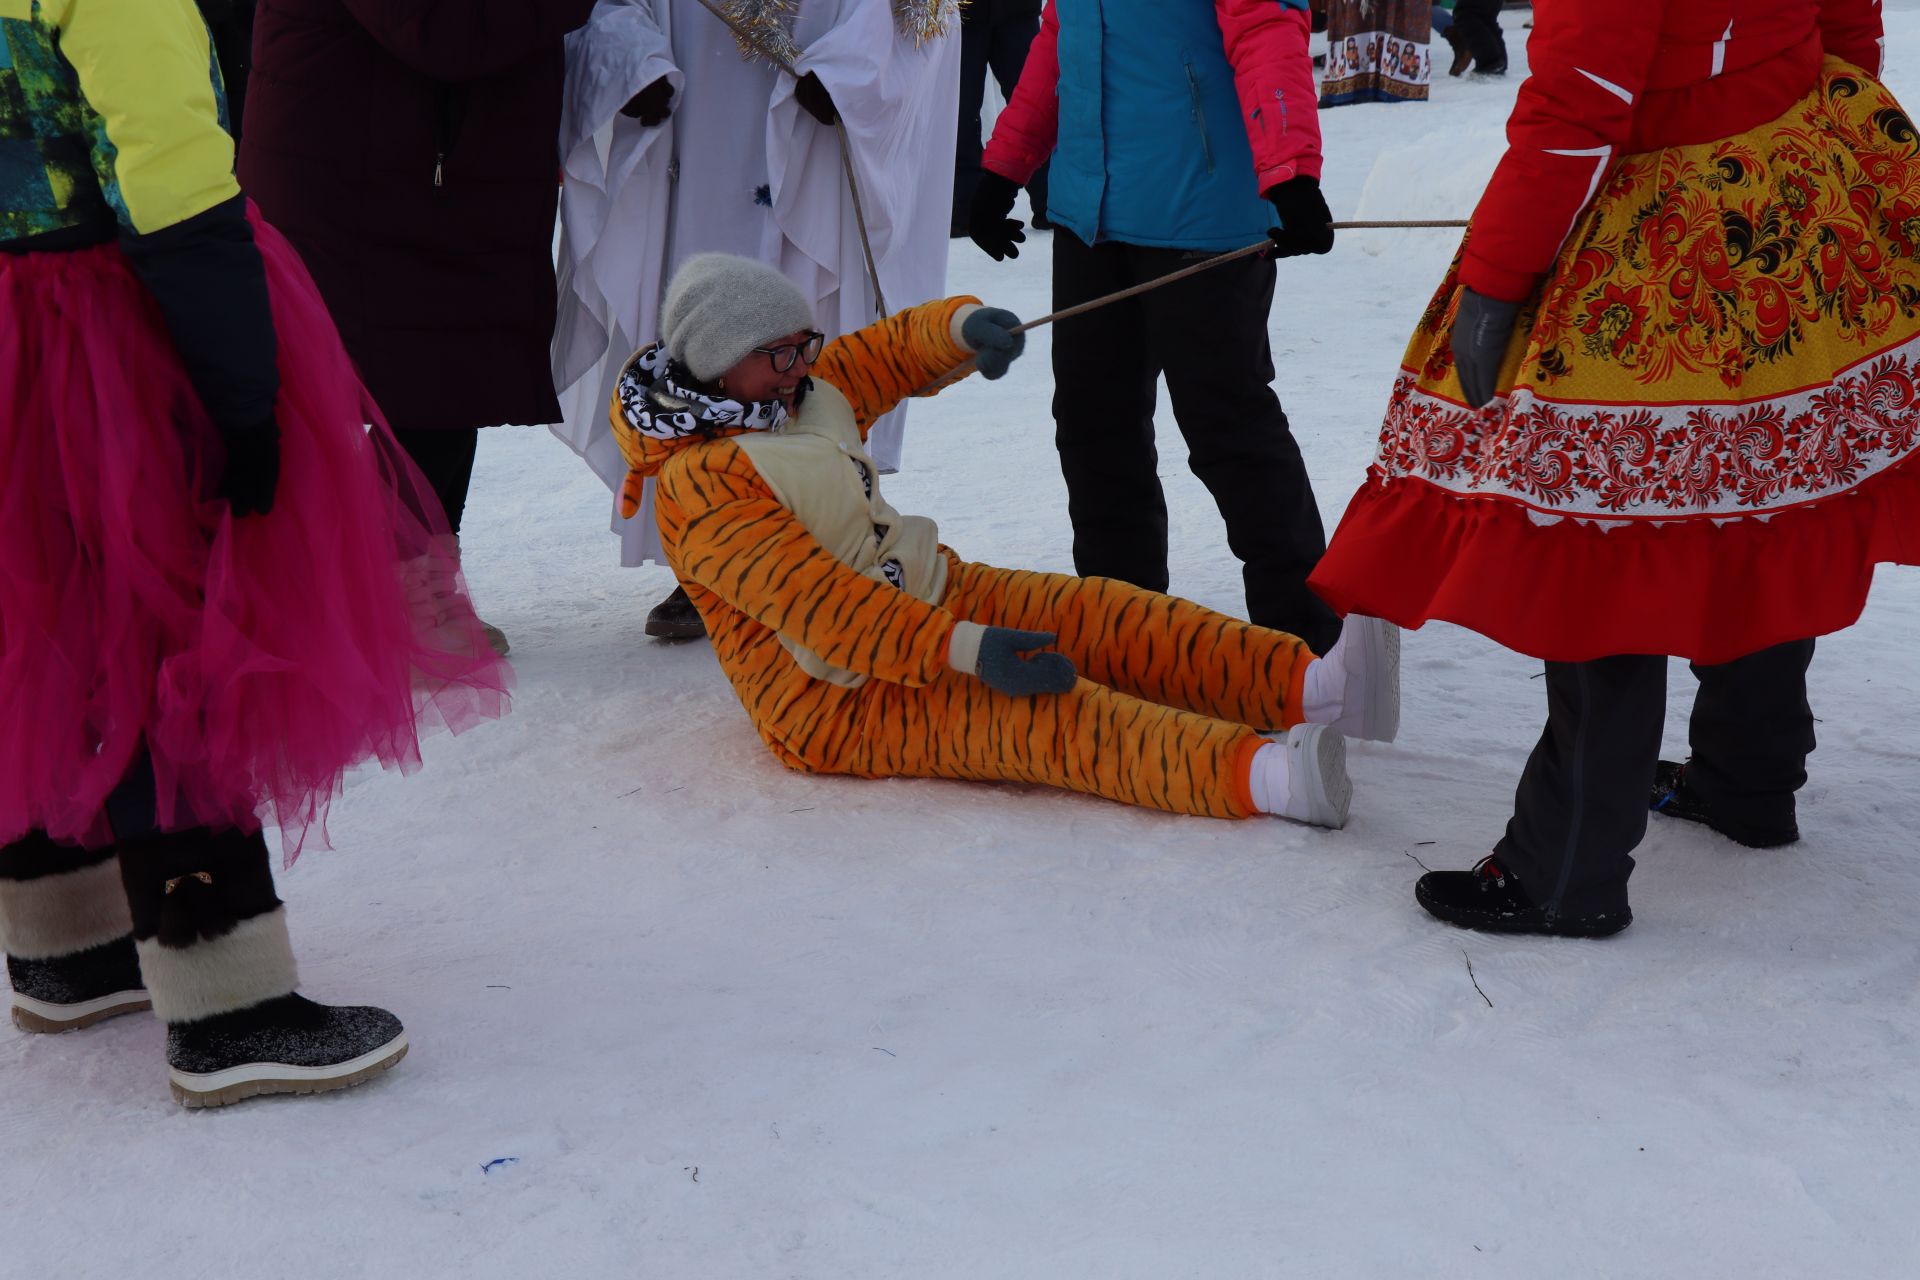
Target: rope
{"type": "Point", "coordinates": [1158, 282]}
{"type": "Point", "coordinates": [846, 152]}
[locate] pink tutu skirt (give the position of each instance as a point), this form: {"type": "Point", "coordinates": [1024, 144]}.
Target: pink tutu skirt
{"type": "Point", "coordinates": [254, 660]}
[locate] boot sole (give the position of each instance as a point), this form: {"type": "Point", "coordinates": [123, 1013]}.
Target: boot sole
{"type": "Point", "coordinates": [1381, 723]}
{"type": "Point", "coordinates": [42, 1017]}
{"type": "Point", "coordinates": [676, 631]}
{"type": "Point", "coordinates": [1746, 839]}
{"type": "Point", "coordinates": [1489, 922]}
{"type": "Point", "coordinates": [235, 1084]}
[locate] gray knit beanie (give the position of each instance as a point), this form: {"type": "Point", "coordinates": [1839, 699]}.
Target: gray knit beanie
{"type": "Point", "coordinates": [720, 306]}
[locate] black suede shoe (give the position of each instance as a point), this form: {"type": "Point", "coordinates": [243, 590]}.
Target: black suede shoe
{"type": "Point", "coordinates": [288, 1044]}
{"type": "Point", "coordinates": [1491, 900]}
{"type": "Point", "coordinates": [68, 992]}
{"type": "Point", "coordinates": [675, 618]}
{"type": "Point", "coordinates": [1674, 798]}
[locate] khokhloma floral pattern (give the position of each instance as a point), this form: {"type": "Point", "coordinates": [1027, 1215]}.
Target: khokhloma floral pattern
{"type": "Point", "coordinates": [1733, 328]}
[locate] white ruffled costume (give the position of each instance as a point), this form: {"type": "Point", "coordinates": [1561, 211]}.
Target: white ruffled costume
{"type": "Point", "coordinates": [739, 168]}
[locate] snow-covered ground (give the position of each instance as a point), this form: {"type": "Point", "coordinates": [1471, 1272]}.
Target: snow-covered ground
{"type": "Point", "coordinates": [721, 1020]}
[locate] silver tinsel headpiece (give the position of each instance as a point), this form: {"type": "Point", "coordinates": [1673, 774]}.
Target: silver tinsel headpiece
{"type": "Point", "coordinates": [766, 26]}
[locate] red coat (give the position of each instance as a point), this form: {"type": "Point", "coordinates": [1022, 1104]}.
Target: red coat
{"type": "Point", "coordinates": [407, 148]}
{"type": "Point", "coordinates": [1611, 79]}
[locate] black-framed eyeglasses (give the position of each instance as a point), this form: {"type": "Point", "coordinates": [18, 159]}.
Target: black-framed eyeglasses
{"type": "Point", "coordinates": [784, 355]}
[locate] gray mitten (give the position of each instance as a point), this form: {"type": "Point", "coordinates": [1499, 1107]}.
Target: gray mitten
{"type": "Point", "coordinates": [990, 332]}
{"type": "Point", "coordinates": [998, 656]}
{"type": "Point", "coordinates": [1480, 332]}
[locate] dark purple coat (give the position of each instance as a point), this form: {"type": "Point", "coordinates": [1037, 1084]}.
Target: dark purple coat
{"type": "Point", "coordinates": [409, 150]}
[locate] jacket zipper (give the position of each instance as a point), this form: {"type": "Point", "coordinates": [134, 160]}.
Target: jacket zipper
{"type": "Point", "coordinates": [1200, 117]}
{"type": "Point", "coordinates": [449, 111]}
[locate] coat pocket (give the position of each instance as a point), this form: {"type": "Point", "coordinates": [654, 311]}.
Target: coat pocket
{"type": "Point", "coordinates": [1199, 115]}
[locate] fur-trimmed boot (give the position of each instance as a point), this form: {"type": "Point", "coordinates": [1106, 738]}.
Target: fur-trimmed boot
{"type": "Point", "coordinates": [212, 938]}
{"type": "Point", "coordinates": [67, 934]}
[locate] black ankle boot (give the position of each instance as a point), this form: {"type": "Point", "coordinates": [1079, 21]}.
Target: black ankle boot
{"type": "Point", "coordinates": [65, 993]}
{"type": "Point", "coordinates": [1490, 899]}
{"type": "Point", "coordinates": [288, 1044]}
{"type": "Point", "coordinates": [675, 618]}
{"type": "Point", "coordinates": [1674, 798]}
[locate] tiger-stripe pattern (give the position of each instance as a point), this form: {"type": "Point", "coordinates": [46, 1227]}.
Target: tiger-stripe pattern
{"type": "Point", "coordinates": [1172, 695]}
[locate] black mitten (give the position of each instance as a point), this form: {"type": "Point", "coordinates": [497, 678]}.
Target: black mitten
{"type": "Point", "coordinates": [1005, 666]}
{"type": "Point", "coordinates": [987, 221]}
{"type": "Point", "coordinates": [652, 105]}
{"type": "Point", "coordinates": [1481, 329]}
{"type": "Point", "coordinates": [252, 471]}
{"type": "Point", "coordinates": [1306, 224]}
{"type": "Point", "coordinates": [815, 100]}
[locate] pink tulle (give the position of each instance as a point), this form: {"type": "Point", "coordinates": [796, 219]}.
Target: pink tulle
{"type": "Point", "coordinates": [254, 659]}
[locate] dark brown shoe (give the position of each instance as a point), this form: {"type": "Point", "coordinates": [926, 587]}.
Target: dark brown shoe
{"type": "Point", "coordinates": [675, 618]}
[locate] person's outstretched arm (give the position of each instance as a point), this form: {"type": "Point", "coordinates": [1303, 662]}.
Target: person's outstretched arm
{"type": "Point", "coordinates": [906, 354]}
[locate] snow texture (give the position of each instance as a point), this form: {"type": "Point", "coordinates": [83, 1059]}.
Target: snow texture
{"type": "Point", "coordinates": [677, 1012]}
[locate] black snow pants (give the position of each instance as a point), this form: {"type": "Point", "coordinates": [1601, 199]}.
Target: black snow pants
{"type": "Point", "coordinates": [994, 35]}
{"type": "Point", "coordinates": [1477, 23]}
{"type": "Point", "coordinates": [445, 457]}
{"type": "Point", "coordinates": [1582, 803]}
{"type": "Point", "coordinates": [1208, 335]}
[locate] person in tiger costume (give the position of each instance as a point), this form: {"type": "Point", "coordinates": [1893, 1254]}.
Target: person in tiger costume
{"type": "Point", "coordinates": [860, 645]}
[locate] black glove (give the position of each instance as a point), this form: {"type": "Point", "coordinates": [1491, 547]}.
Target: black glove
{"type": "Point", "coordinates": [1005, 668]}
{"type": "Point", "coordinates": [1306, 224]}
{"type": "Point", "coordinates": [652, 105]}
{"type": "Point", "coordinates": [252, 470]}
{"type": "Point", "coordinates": [990, 332]}
{"type": "Point", "coordinates": [815, 100]}
{"type": "Point", "coordinates": [1481, 329]}
{"type": "Point", "coordinates": [988, 223]}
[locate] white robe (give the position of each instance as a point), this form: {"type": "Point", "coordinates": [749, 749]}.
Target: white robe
{"type": "Point", "coordinates": [738, 167]}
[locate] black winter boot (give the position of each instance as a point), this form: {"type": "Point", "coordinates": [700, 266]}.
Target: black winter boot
{"type": "Point", "coordinates": [1674, 798]}
{"type": "Point", "coordinates": [67, 935]}
{"type": "Point", "coordinates": [675, 618]}
{"type": "Point", "coordinates": [66, 993]}
{"type": "Point", "coordinates": [1490, 899]}
{"type": "Point", "coordinates": [212, 936]}
{"type": "Point", "coordinates": [288, 1044]}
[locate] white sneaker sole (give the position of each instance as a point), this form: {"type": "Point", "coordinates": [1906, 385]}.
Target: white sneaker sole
{"type": "Point", "coordinates": [250, 1080]}
{"type": "Point", "coordinates": [1319, 792]}
{"type": "Point", "coordinates": [1372, 663]}
{"type": "Point", "coordinates": [46, 1018]}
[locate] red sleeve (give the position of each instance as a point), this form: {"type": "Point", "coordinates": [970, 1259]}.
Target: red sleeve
{"type": "Point", "coordinates": [1273, 72]}
{"type": "Point", "coordinates": [1851, 29]}
{"type": "Point", "coordinates": [1573, 114]}
{"type": "Point", "coordinates": [1024, 133]}
{"type": "Point", "coordinates": [458, 40]}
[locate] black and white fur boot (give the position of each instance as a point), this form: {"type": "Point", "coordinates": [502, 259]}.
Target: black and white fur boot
{"type": "Point", "coordinates": [213, 945]}
{"type": "Point", "coordinates": [68, 936]}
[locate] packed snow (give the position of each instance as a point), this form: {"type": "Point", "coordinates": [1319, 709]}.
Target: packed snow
{"type": "Point", "coordinates": [677, 1012]}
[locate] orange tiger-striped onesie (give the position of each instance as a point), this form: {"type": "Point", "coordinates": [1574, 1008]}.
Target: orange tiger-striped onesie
{"type": "Point", "coordinates": [832, 614]}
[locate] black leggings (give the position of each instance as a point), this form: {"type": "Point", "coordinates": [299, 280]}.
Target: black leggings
{"type": "Point", "coordinates": [445, 456]}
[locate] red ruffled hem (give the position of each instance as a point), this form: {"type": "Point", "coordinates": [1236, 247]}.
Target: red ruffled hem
{"type": "Point", "coordinates": [1571, 591]}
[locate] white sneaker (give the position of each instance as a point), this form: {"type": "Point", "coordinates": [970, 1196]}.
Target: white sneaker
{"type": "Point", "coordinates": [1356, 687]}
{"type": "Point", "coordinates": [1318, 790]}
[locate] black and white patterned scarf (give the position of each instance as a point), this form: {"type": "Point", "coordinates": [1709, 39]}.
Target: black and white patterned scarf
{"type": "Point", "coordinates": [657, 400]}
